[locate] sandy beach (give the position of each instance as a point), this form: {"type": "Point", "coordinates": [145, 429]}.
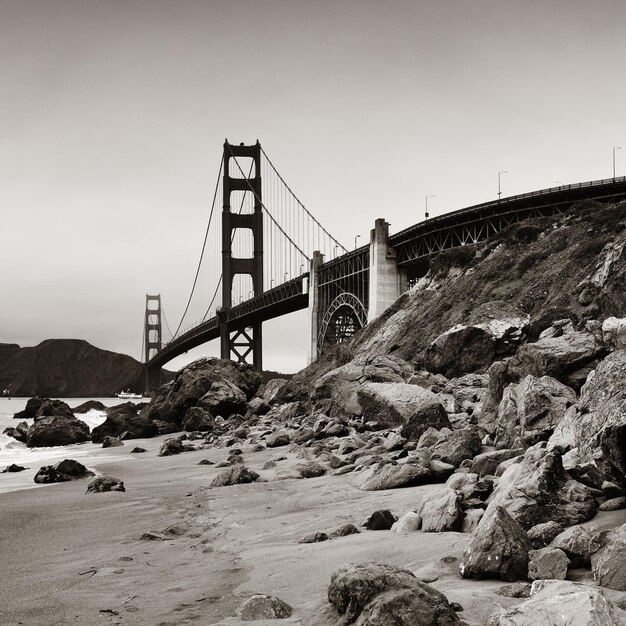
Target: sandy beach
{"type": "Point", "coordinates": [75, 558]}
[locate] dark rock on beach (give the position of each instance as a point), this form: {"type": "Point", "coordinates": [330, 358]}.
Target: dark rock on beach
{"type": "Point", "coordinates": [63, 471]}
{"type": "Point", "coordinates": [101, 484]}
{"type": "Point", "coordinates": [123, 418]}
{"type": "Point", "coordinates": [59, 430]}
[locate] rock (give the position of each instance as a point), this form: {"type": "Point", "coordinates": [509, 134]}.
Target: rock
{"type": "Point", "coordinates": [407, 523]}
{"type": "Point", "coordinates": [440, 471]}
{"type": "Point", "coordinates": [137, 450]}
{"type": "Point", "coordinates": [498, 549]}
{"type": "Point", "coordinates": [516, 590]}
{"type": "Point", "coordinates": [57, 431]}
{"type": "Point", "coordinates": [173, 445]}
{"type": "Point", "coordinates": [392, 476]}
{"type": "Point", "coordinates": [235, 475]}
{"type": "Point", "coordinates": [614, 504]}
{"type": "Point", "coordinates": [408, 607]}
{"type": "Point", "coordinates": [123, 418]}
{"type": "Point", "coordinates": [538, 489]}
{"type": "Point", "coordinates": [531, 410]}
{"type": "Point", "coordinates": [30, 411]}
{"type": "Point", "coordinates": [13, 468]}
{"type": "Point", "coordinates": [339, 386]}
{"type": "Point", "coordinates": [431, 420]}
{"type": "Point", "coordinates": [56, 408]}
{"type": "Point", "coordinates": [601, 426]}
{"type": "Point", "coordinates": [19, 432]}
{"type": "Point", "coordinates": [197, 418]}
{"type": "Point", "coordinates": [112, 442]}
{"type": "Point", "coordinates": [471, 520]}
{"type": "Point", "coordinates": [346, 529]}
{"type": "Point", "coordinates": [368, 588]}
{"type": "Point", "coordinates": [89, 405]}
{"type": "Point", "coordinates": [311, 469]}
{"type": "Point", "coordinates": [314, 538]}
{"type": "Point", "coordinates": [260, 607]}
{"type": "Point", "coordinates": [257, 406]}
{"type": "Point", "coordinates": [272, 387]}
{"type": "Point", "coordinates": [543, 534]}
{"type": "Point", "coordinates": [101, 484]}
{"type": "Point", "coordinates": [555, 356]}
{"type": "Point", "coordinates": [564, 436]}
{"type": "Point", "coordinates": [278, 439]}
{"type": "Point", "coordinates": [400, 404]}
{"type": "Point", "coordinates": [577, 544]}
{"type": "Point", "coordinates": [380, 520]}
{"type": "Point", "coordinates": [614, 333]}
{"type": "Point", "coordinates": [163, 428]}
{"type": "Point", "coordinates": [456, 446]}
{"type": "Point", "coordinates": [485, 464]}
{"type": "Point", "coordinates": [562, 603]}
{"type": "Point", "coordinates": [608, 562]}
{"type": "Point", "coordinates": [441, 511]}
{"type": "Point", "coordinates": [547, 563]}
{"type": "Point", "coordinates": [220, 386]}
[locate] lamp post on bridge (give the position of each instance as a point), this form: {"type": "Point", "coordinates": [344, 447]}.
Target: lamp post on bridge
{"type": "Point", "coordinates": [614, 149]}
{"type": "Point", "coordinates": [499, 183]}
{"type": "Point", "coordinates": [357, 237]}
{"type": "Point", "coordinates": [426, 205]}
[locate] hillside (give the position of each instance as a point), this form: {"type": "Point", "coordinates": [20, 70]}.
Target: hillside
{"type": "Point", "coordinates": [67, 368]}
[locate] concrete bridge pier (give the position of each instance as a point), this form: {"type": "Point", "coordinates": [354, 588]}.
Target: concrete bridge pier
{"type": "Point", "coordinates": [314, 304]}
{"type": "Point", "coordinates": [387, 282]}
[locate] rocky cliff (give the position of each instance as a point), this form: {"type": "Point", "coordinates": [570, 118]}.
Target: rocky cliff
{"type": "Point", "coordinates": [67, 368]}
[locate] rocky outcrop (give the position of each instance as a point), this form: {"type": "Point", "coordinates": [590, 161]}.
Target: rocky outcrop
{"type": "Point", "coordinates": [601, 425]}
{"type": "Point", "coordinates": [219, 386]}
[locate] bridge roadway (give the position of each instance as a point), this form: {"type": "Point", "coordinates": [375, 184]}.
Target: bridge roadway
{"type": "Point", "coordinates": [461, 227]}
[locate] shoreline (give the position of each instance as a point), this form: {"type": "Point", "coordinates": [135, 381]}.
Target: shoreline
{"type": "Point", "coordinates": [227, 543]}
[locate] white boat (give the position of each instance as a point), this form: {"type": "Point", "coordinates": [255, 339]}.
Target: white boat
{"type": "Point", "coordinates": [127, 395]}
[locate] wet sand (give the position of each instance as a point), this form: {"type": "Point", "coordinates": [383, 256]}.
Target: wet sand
{"type": "Point", "coordinates": [73, 558]}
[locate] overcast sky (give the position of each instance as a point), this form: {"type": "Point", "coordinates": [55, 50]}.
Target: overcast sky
{"type": "Point", "coordinates": [113, 114]}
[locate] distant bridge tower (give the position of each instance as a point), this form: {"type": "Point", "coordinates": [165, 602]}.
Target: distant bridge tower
{"type": "Point", "coordinates": [152, 339]}
{"type": "Point", "coordinates": [238, 342]}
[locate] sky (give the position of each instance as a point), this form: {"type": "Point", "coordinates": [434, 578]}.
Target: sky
{"type": "Point", "coordinates": [113, 114]}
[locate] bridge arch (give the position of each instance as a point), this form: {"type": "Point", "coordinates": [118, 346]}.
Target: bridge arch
{"type": "Point", "coordinates": [345, 315]}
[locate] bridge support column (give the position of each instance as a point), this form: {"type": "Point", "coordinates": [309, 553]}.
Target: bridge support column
{"type": "Point", "coordinates": [152, 341]}
{"type": "Point", "coordinates": [314, 304]}
{"type": "Point", "coordinates": [386, 282]}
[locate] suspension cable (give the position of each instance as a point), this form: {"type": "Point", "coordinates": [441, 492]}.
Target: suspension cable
{"type": "Point", "coordinates": [300, 203]}
{"type": "Point", "coordinates": [293, 243]}
{"type": "Point", "coordinates": [206, 234]}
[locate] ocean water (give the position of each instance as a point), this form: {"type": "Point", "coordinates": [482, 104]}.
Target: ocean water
{"type": "Point", "coordinates": [13, 451]}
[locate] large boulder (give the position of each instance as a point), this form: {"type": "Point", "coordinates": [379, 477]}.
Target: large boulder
{"type": "Point", "coordinates": [57, 408]}
{"type": "Point", "coordinates": [393, 475]}
{"type": "Point", "coordinates": [366, 592]}
{"type": "Point", "coordinates": [264, 607]}
{"type": "Point", "coordinates": [19, 432]}
{"type": "Point", "coordinates": [220, 386]}
{"type": "Point", "coordinates": [601, 425]}
{"type": "Point", "coordinates": [463, 349]}
{"type": "Point", "coordinates": [238, 474]}
{"type": "Point", "coordinates": [441, 511]}
{"type": "Point", "coordinates": [30, 411]}
{"type": "Point", "coordinates": [123, 419]}
{"type": "Point", "coordinates": [199, 419]}
{"type": "Point", "coordinates": [61, 472]}
{"type": "Point", "coordinates": [58, 430]}
{"type": "Point", "coordinates": [556, 353]}
{"type": "Point", "coordinates": [547, 563]}
{"type": "Point", "coordinates": [538, 489]}
{"type": "Point", "coordinates": [562, 603]}
{"type": "Point", "coordinates": [608, 562]}
{"type": "Point", "coordinates": [455, 446]}
{"type": "Point", "coordinates": [614, 333]}
{"type": "Point", "coordinates": [498, 549]}
{"type": "Point", "coordinates": [531, 410]}
{"type": "Point", "coordinates": [339, 387]}
{"type": "Point", "coordinates": [397, 404]}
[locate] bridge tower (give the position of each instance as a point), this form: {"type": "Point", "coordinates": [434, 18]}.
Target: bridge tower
{"type": "Point", "coordinates": [152, 340]}
{"type": "Point", "coordinates": [239, 342]}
